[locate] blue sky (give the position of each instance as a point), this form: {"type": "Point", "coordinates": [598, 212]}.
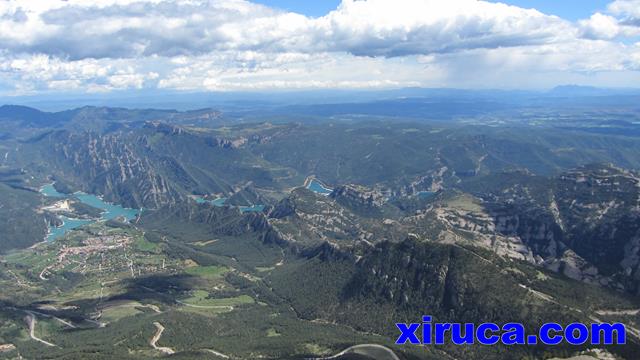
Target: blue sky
{"type": "Point", "coordinates": [307, 7]}
{"type": "Point", "coordinates": [99, 46]}
{"type": "Point", "coordinates": [568, 9]}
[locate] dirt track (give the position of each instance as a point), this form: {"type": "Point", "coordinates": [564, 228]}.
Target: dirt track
{"type": "Point", "coordinates": [31, 322]}
{"type": "Point", "coordinates": [156, 337]}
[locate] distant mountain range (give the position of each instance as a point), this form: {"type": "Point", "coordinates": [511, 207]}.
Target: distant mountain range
{"type": "Point", "coordinates": [467, 210]}
{"type": "Point", "coordinates": [243, 100]}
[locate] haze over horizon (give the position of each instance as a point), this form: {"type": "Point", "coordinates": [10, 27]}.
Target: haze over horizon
{"type": "Point", "coordinates": [84, 47]}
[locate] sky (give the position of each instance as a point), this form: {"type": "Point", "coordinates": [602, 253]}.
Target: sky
{"type": "Point", "coordinates": [315, 8]}
{"type": "Point", "coordinates": [53, 47]}
{"type": "Point", "coordinates": [568, 9]}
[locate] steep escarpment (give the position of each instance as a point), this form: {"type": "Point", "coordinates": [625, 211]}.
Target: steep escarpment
{"type": "Point", "coordinates": [584, 223]}
{"type": "Point", "coordinates": [400, 282]}
{"type": "Point", "coordinates": [536, 227]}
{"type": "Point", "coordinates": [599, 208]}
{"type": "Point", "coordinates": [152, 165]}
{"type": "Point", "coordinates": [115, 166]}
{"type": "Point", "coordinates": [361, 200]}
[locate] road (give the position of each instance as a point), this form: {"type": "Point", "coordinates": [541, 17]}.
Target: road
{"type": "Point", "coordinates": [156, 337]}
{"type": "Point", "coordinates": [381, 352]}
{"type": "Point", "coordinates": [31, 322]}
{"type": "Point", "coordinates": [618, 312]}
{"type": "Point", "coordinates": [218, 354]}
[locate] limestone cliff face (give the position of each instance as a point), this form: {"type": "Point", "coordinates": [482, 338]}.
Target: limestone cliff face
{"type": "Point", "coordinates": [282, 209]}
{"type": "Point", "coordinates": [110, 166]}
{"type": "Point", "coordinates": [359, 195]}
{"type": "Point", "coordinates": [447, 280]}
{"type": "Point", "coordinates": [537, 229]}
{"type": "Point", "coordinates": [152, 164]}
{"type": "Point", "coordinates": [584, 223]}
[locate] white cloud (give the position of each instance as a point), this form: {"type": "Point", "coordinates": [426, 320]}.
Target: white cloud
{"type": "Point", "coordinates": [35, 73]}
{"type": "Point", "coordinates": [103, 45]}
{"type": "Point", "coordinates": [82, 29]}
{"type": "Point", "coordinates": [392, 28]}
{"type": "Point", "coordinates": [253, 71]}
{"type": "Point", "coordinates": [600, 26]}
{"type": "Point", "coordinates": [629, 10]}
{"type": "Point", "coordinates": [607, 27]}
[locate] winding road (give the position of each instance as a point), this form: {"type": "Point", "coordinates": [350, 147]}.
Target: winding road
{"type": "Point", "coordinates": [31, 322]}
{"type": "Point", "coordinates": [372, 350]}
{"type": "Point", "coordinates": [156, 337]}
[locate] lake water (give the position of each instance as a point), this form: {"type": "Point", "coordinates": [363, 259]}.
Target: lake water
{"type": "Point", "coordinates": [110, 211]}
{"type": "Point", "coordinates": [50, 191]}
{"type": "Point", "coordinates": [316, 186]}
{"type": "Point", "coordinates": [68, 225]}
{"type": "Point", "coordinates": [221, 202]}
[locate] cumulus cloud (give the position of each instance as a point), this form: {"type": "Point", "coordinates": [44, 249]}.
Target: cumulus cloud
{"type": "Point", "coordinates": [103, 45]}
{"type": "Point", "coordinates": [600, 26]}
{"type": "Point", "coordinates": [126, 29]}
{"type": "Point", "coordinates": [116, 29]}
{"type": "Point", "coordinates": [393, 28]}
{"type": "Point", "coordinates": [623, 20]}
{"type": "Point", "coordinates": [629, 10]}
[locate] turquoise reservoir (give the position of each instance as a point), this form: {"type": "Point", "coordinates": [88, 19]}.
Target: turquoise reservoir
{"type": "Point", "coordinates": [110, 211]}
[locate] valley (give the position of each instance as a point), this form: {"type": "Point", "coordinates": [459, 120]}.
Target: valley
{"type": "Point", "coordinates": [319, 180]}
{"type": "Point", "coordinates": [258, 240]}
